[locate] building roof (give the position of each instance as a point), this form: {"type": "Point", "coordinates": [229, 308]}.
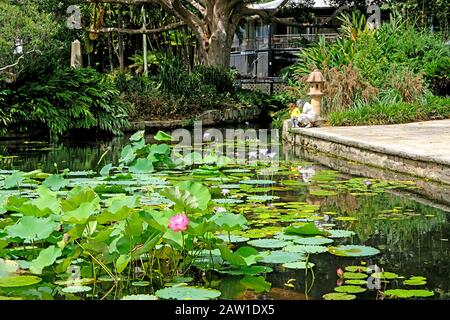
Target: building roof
{"type": "Point", "coordinates": [272, 5]}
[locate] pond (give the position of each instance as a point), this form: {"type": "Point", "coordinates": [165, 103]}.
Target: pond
{"type": "Point", "coordinates": [298, 230]}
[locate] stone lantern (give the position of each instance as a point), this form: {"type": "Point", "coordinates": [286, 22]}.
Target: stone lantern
{"type": "Point", "coordinates": [316, 81]}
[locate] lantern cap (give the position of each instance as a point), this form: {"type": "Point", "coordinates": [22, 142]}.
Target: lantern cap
{"type": "Point", "coordinates": [316, 76]}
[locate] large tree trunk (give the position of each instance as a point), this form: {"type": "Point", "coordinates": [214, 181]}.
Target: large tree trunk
{"type": "Point", "coordinates": [217, 35]}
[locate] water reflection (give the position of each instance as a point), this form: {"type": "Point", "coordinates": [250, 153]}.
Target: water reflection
{"type": "Point", "coordinates": [413, 237]}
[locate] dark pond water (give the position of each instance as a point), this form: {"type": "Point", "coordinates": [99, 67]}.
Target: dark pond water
{"type": "Point", "coordinates": [413, 238]}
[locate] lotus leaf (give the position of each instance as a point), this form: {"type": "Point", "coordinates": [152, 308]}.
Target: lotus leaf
{"type": "Point", "coordinates": [338, 296]}
{"type": "Point", "coordinates": [187, 293]}
{"type": "Point", "coordinates": [353, 251]}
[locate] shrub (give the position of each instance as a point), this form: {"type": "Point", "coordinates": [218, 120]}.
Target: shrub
{"type": "Point", "coordinates": [68, 99]}
{"type": "Point", "coordinates": [433, 108]}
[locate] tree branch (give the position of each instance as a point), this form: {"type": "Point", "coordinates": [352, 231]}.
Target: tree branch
{"type": "Point", "coordinates": [17, 62]}
{"type": "Point", "coordinates": [142, 30]}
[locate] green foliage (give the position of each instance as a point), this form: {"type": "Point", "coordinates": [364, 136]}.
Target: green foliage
{"type": "Point", "coordinates": [68, 99]}
{"type": "Point", "coordinates": [389, 65]}
{"type": "Point", "coordinates": [373, 114]}
{"type": "Point", "coordinates": [35, 28]}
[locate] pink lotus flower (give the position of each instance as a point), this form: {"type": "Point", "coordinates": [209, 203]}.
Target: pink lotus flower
{"type": "Point", "coordinates": [340, 272]}
{"type": "Point", "coordinates": [179, 222]}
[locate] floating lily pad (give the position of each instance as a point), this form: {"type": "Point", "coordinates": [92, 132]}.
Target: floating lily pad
{"type": "Point", "coordinates": [340, 233]}
{"type": "Point", "coordinates": [298, 265]}
{"type": "Point", "coordinates": [313, 241]}
{"type": "Point", "coordinates": [349, 289]}
{"type": "Point", "coordinates": [356, 268]}
{"type": "Point", "coordinates": [338, 296]}
{"type": "Point", "coordinates": [355, 275]}
{"type": "Point", "coordinates": [410, 282]}
{"type": "Point", "coordinates": [281, 257]}
{"type": "Point", "coordinates": [262, 198]}
{"type": "Point", "coordinates": [406, 293]}
{"type": "Point", "coordinates": [269, 243]}
{"type": "Point", "coordinates": [187, 293]}
{"type": "Point", "coordinates": [357, 282]}
{"type": "Point", "coordinates": [384, 275]}
{"type": "Point", "coordinates": [19, 281]}
{"type": "Point", "coordinates": [257, 182]}
{"type": "Point", "coordinates": [306, 249]}
{"type": "Point", "coordinates": [323, 193]}
{"type": "Point", "coordinates": [415, 281]}
{"type": "Point", "coordinates": [227, 201]}
{"type": "Point", "coordinates": [76, 289]}
{"type": "Point", "coordinates": [353, 251]}
{"type": "Point", "coordinates": [140, 297]}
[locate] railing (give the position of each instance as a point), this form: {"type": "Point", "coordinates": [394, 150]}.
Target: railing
{"type": "Point", "coordinates": [281, 41]}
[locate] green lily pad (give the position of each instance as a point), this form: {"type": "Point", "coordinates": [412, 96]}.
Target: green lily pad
{"type": "Point", "coordinates": [317, 241]}
{"type": "Point", "coordinates": [384, 275]}
{"type": "Point", "coordinates": [187, 293]}
{"type": "Point", "coordinates": [306, 249]}
{"type": "Point", "coordinates": [76, 289]}
{"type": "Point", "coordinates": [355, 275]}
{"type": "Point", "coordinates": [298, 265]}
{"type": "Point", "coordinates": [353, 251]}
{"type": "Point", "coordinates": [262, 198]}
{"type": "Point", "coordinates": [357, 282]}
{"type": "Point", "coordinates": [281, 257]}
{"type": "Point", "coordinates": [269, 243]}
{"type": "Point", "coordinates": [356, 268]}
{"type": "Point", "coordinates": [322, 193]}
{"type": "Point", "coordinates": [415, 281]}
{"type": "Point", "coordinates": [349, 289]}
{"type": "Point", "coordinates": [257, 181]}
{"type": "Point", "coordinates": [139, 297]}
{"type": "Point", "coordinates": [338, 296]}
{"type": "Point", "coordinates": [19, 281]}
{"type": "Point", "coordinates": [340, 233]}
{"type": "Point", "coordinates": [406, 293]}
{"type": "Point", "coordinates": [227, 201]}
{"type": "Point", "coordinates": [410, 282]}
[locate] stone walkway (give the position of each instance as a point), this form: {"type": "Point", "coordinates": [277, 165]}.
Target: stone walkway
{"type": "Point", "coordinates": [394, 147]}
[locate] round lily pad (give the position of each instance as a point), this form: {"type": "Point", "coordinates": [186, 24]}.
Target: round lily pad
{"type": "Point", "coordinates": [140, 297]}
{"type": "Point", "coordinates": [354, 275]}
{"type": "Point", "coordinates": [187, 293]}
{"type": "Point", "coordinates": [406, 293]}
{"type": "Point", "coordinates": [76, 289]}
{"type": "Point", "coordinates": [306, 249]}
{"type": "Point", "coordinates": [281, 257]}
{"type": "Point", "coordinates": [349, 289]}
{"type": "Point", "coordinates": [353, 251]}
{"type": "Point", "coordinates": [356, 268]}
{"type": "Point", "coordinates": [317, 241]}
{"type": "Point", "coordinates": [340, 233]}
{"type": "Point", "coordinates": [262, 198]}
{"type": "Point", "coordinates": [338, 296]}
{"type": "Point", "coordinates": [298, 265]}
{"type": "Point", "coordinates": [227, 201]}
{"type": "Point", "coordinates": [384, 275]}
{"type": "Point", "coordinates": [269, 243]}
{"type": "Point", "coordinates": [19, 281]}
{"type": "Point", "coordinates": [257, 182]}
{"type": "Point", "coordinates": [357, 282]}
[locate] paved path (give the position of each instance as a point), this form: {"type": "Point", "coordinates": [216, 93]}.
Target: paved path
{"type": "Point", "coordinates": [420, 149]}
{"type": "Point", "coordinates": [429, 140]}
